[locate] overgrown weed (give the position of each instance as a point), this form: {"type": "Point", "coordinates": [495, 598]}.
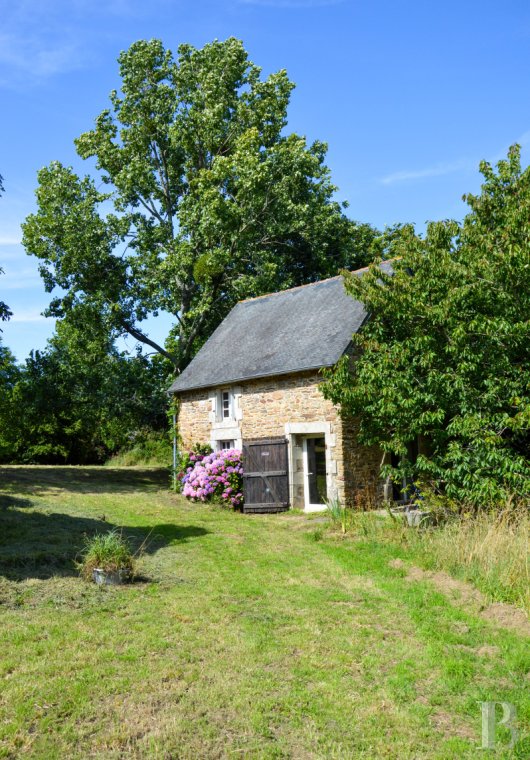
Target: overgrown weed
{"type": "Point", "coordinates": [488, 548]}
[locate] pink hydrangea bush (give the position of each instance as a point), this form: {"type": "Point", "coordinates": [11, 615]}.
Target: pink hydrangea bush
{"type": "Point", "coordinates": [216, 476]}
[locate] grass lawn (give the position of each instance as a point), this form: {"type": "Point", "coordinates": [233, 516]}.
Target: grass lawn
{"type": "Point", "coordinates": [247, 637]}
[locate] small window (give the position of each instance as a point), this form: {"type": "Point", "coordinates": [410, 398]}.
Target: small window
{"type": "Point", "coordinates": [225, 445]}
{"type": "Point", "coordinates": [226, 405]}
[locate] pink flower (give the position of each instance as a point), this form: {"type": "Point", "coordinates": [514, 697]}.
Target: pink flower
{"type": "Point", "coordinates": [217, 475]}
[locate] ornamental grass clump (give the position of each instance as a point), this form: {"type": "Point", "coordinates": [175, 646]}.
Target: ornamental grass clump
{"type": "Point", "coordinates": [110, 552]}
{"type": "Point", "coordinates": [215, 477]}
{"type": "Point", "coordinates": [337, 514]}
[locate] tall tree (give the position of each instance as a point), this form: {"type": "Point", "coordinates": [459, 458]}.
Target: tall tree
{"type": "Point", "coordinates": [446, 353]}
{"type": "Point", "coordinates": [212, 200]}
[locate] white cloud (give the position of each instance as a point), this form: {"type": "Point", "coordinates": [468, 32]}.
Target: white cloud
{"type": "Point", "coordinates": [42, 38]}
{"type": "Point", "coordinates": [30, 315]}
{"type": "Point", "coordinates": [10, 241]}
{"type": "Point", "coordinates": [29, 58]}
{"type": "Point", "coordinates": [417, 174]}
{"type": "Point", "coordinates": [439, 170]}
{"type": "Point", "coordinates": [14, 279]}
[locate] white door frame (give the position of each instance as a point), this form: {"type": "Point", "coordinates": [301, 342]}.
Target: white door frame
{"type": "Point", "coordinates": [308, 506]}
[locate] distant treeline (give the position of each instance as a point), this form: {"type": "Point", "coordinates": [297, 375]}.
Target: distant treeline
{"type": "Point", "coordinates": [79, 401]}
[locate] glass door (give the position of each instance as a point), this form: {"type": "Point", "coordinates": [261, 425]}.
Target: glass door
{"type": "Point", "coordinates": [315, 473]}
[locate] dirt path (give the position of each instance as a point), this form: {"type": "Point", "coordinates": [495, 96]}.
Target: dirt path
{"type": "Point", "coordinates": [467, 596]}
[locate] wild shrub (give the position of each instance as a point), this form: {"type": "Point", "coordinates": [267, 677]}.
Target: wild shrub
{"type": "Point", "coordinates": [147, 449]}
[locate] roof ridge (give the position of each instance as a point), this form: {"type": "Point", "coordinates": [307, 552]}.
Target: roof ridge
{"type": "Point", "coordinates": [316, 282]}
{"type": "Point", "coordinates": [383, 261]}
{"type": "Point", "coordinates": [289, 290]}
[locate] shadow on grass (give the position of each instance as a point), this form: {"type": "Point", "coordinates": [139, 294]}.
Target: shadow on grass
{"type": "Point", "coordinates": [6, 500]}
{"type": "Point", "coordinates": [39, 545]}
{"type": "Point", "coordinates": [36, 480]}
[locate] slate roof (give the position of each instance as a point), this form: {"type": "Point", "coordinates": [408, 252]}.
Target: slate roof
{"type": "Point", "coordinates": [304, 328]}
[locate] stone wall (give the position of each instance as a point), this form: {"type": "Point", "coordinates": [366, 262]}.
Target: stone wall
{"type": "Point", "coordinates": [268, 404]}
{"type": "Point", "coordinates": [194, 418]}
{"type": "Point", "coordinates": [291, 406]}
{"type": "Point", "coordinates": [363, 486]}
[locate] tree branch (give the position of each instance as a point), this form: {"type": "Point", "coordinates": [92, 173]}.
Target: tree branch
{"type": "Point", "coordinates": [139, 335]}
{"type": "Point", "coordinates": [152, 210]}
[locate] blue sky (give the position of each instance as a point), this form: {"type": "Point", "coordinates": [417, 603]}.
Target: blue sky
{"type": "Point", "coordinates": [410, 96]}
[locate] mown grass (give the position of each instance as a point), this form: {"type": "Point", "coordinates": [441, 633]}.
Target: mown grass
{"type": "Point", "coordinates": [249, 636]}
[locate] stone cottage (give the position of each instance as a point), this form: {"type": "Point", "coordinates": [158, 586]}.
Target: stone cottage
{"type": "Point", "coordinates": [254, 385]}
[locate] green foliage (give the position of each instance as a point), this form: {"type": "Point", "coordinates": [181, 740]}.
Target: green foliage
{"type": "Point", "coordinates": [212, 200]}
{"type": "Point", "coordinates": [146, 448]}
{"type": "Point", "coordinates": [79, 400]}
{"type": "Point", "coordinates": [106, 551]}
{"type": "Point", "coordinates": [446, 353]}
{"type": "Point", "coordinates": [9, 376]}
{"type": "Point", "coordinates": [5, 311]}
{"type": "Point", "coordinates": [188, 458]}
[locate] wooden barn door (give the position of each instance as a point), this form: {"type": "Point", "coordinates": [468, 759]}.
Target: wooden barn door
{"type": "Point", "coordinates": [266, 475]}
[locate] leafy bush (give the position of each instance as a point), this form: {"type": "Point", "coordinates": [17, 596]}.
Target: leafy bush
{"type": "Point", "coordinates": [148, 449]}
{"type": "Point", "coordinates": [214, 477]}
{"type": "Point", "coordinates": [106, 551]}
{"type": "Point", "coordinates": [103, 400]}
{"type": "Point", "coordinates": [444, 360]}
